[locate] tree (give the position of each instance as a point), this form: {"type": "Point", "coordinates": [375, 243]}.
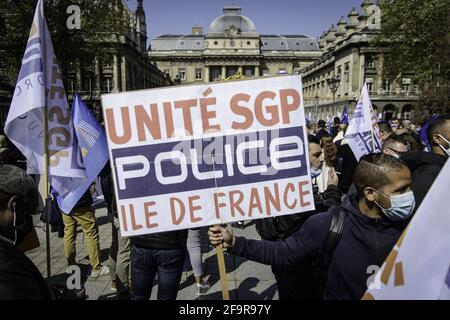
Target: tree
{"type": "Point", "coordinates": [103, 23]}
{"type": "Point", "coordinates": [416, 34]}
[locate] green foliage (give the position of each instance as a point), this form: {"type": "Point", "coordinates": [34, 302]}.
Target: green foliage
{"type": "Point", "coordinates": [101, 24]}
{"type": "Point", "coordinates": [416, 34]}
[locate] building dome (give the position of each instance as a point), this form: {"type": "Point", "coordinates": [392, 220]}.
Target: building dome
{"type": "Point", "coordinates": [232, 21]}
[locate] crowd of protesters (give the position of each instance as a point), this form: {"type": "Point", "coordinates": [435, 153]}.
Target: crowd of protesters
{"type": "Point", "coordinates": [372, 199]}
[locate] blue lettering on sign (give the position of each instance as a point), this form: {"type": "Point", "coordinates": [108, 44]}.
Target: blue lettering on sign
{"type": "Point", "coordinates": [222, 161]}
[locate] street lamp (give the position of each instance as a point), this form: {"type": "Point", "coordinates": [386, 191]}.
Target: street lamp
{"type": "Point", "coordinates": [333, 84]}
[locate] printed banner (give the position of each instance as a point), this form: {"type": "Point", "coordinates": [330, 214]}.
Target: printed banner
{"type": "Point", "coordinates": [191, 156]}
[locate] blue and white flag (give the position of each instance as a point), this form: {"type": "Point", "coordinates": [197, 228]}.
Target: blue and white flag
{"type": "Point", "coordinates": [93, 148]}
{"type": "Point", "coordinates": [419, 264]}
{"type": "Point", "coordinates": [344, 117]}
{"type": "Point", "coordinates": [363, 134]}
{"type": "Point", "coordinates": [40, 85]}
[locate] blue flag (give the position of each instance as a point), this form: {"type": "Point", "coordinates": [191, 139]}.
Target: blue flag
{"type": "Point", "coordinates": [344, 117]}
{"type": "Point", "coordinates": [424, 129]}
{"type": "Point", "coordinates": [93, 150]}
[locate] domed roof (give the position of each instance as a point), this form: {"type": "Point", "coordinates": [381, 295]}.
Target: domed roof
{"type": "Point", "coordinates": [232, 21]}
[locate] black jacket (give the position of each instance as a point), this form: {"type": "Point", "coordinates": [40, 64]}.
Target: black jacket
{"type": "Point", "coordinates": [345, 166]}
{"type": "Point", "coordinates": [365, 242]}
{"type": "Point", "coordinates": [163, 240]}
{"type": "Point", "coordinates": [425, 167]}
{"type": "Point", "coordinates": [19, 277]}
{"type": "Point", "coordinates": [322, 133]}
{"type": "Point", "coordinates": [85, 200]}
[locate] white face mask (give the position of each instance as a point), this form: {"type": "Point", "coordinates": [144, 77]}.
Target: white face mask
{"type": "Point", "coordinates": [446, 151]}
{"type": "Point", "coordinates": [315, 172]}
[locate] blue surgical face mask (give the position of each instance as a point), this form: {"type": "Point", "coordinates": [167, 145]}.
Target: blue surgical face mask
{"type": "Point", "coordinates": [315, 172]}
{"type": "Point", "coordinates": [402, 206]}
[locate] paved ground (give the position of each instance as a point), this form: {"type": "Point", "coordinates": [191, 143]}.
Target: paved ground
{"type": "Point", "coordinates": [246, 279]}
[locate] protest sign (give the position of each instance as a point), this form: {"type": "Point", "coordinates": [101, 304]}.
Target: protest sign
{"type": "Point", "coordinates": [192, 156]}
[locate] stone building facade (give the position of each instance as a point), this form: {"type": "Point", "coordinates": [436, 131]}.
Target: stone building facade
{"type": "Point", "coordinates": [231, 46]}
{"type": "Point", "coordinates": [349, 56]}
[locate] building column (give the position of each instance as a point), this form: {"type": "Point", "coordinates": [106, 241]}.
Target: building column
{"type": "Point", "coordinates": [224, 73]}
{"type": "Point", "coordinates": [362, 62]}
{"type": "Point", "coordinates": [115, 78]}
{"type": "Point", "coordinates": [206, 74]}
{"type": "Point", "coordinates": [257, 71]}
{"type": "Point", "coordinates": [240, 70]}
{"type": "Point", "coordinates": [123, 76]}
{"type": "Point", "coordinates": [79, 79]}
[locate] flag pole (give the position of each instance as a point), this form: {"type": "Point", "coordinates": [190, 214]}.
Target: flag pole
{"type": "Point", "coordinates": [46, 162]}
{"type": "Point", "coordinates": [46, 192]}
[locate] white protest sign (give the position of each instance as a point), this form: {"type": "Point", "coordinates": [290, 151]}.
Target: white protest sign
{"type": "Point", "coordinates": [192, 156]}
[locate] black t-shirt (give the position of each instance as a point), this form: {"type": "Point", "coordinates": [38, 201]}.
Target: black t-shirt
{"type": "Point", "coordinates": [19, 277]}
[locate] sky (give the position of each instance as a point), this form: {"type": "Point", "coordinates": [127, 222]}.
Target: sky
{"type": "Point", "coordinates": [307, 17]}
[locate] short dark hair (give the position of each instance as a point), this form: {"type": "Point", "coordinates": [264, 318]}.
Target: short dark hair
{"type": "Point", "coordinates": [337, 120]}
{"type": "Point", "coordinates": [373, 171]}
{"type": "Point", "coordinates": [396, 138]}
{"type": "Point", "coordinates": [436, 127]}
{"type": "Point", "coordinates": [15, 182]}
{"type": "Point", "coordinates": [312, 139]}
{"type": "Point", "coordinates": [385, 126]}
{"type": "Point", "coordinates": [321, 123]}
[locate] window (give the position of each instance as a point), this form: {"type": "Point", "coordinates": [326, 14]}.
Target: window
{"type": "Point", "coordinates": [108, 84]}
{"type": "Point", "coordinates": [265, 72]}
{"type": "Point", "coordinates": [387, 86]}
{"type": "Point", "coordinates": [369, 82]}
{"type": "Point", "coordinates": [370, 63]}
{"type": "Point", "coordinates": [248, 43]}
{"type": "Point", "coordinates": [406, 85]}
{"type": "Point", "coordinates": [347, 72]}
{"type": "Point", "coordinates": [182, 73]}
{"type": "Point", "coordinates": [198, 74]}
{"type": "Point", "coordinates": [216, 43]}
{"type": "Point", "coordinates": [248, 72]}
{"type": "Point", "coordinates": [72, 85]}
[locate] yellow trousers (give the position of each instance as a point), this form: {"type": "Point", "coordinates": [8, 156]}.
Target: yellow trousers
{"type": "Point", "coordinates": [86, 218]}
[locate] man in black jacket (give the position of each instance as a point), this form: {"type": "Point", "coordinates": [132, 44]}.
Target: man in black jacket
{"type": "Point", "coordinates": [19, 277]}
{"type": "Point", "coordinates": [375, 219]}
{"type": "Point", "coordinates": [159, 253]}
{"type": "Point", "coordinates": [301, 282]}
{"type": "Point", "coordinates": [425, 166]}
{"type": "Point", "coordinates": [321, 131]}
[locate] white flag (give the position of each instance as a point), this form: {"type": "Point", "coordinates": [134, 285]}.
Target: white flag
{"type": "Point", "coordinates": [418, 266]}
{"type": "Point", "coordinates": [40, 84]}
{"type": "Point", "coordinates": [363, 134]}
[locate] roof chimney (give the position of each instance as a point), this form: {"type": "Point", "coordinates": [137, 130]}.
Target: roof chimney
{"type": "Point", "coordinates": [197, 30]}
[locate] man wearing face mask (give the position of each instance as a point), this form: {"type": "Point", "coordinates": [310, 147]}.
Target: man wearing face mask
{"type": "Point", "coordinates": [395, 146]}
{"type": "Point", "coordinates": [375, 218]}
{"type": "Point", "coordinates": [301, 282]}
{"type": "Point", "coordinates": [19, 277]}
{"type": "Point", "coordinates": [425, 166]}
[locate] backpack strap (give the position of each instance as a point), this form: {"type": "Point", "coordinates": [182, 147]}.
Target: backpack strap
{"type": "Point", "coordinates": [334, 235]}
